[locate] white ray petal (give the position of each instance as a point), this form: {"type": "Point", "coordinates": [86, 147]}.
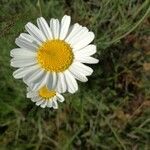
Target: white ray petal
{"type": "Point", "coordinates": [84, 69]}
{"type": "Point", "coordinates": [54, 103]}
{"type": "Point", "coordinates": [84, 42]}
{"type": "Point", "coordinates": [49, 81]}
{"type": "Point", "coordinates": [86, 51]}
{"type": "Point", "coordinates": [40, 83]}
{"type": "Point", "coordinates": [39, 102]}
{"type": "Point", "coordinates": [60, 97]}
{"type": "Point", "coordinates": [35, 32]}
{"type": "Point", "coordinates": [49, 104]}
{"type": "Point", "coordinates": [44, 104]}
{"type": "Point", "coordinates": [21, 72]}
{"type": "Point", "coordinates": [26, 44]}
{"type": "Point", "coordinates": [78, 75]}
{"type": "Point", "coordinates": [44, 27]}
{"type": "Point", "coordinates": [22, 62]}
{"type": "Point", "coordinates": [55, 28]}
{"type": "Point", "coordinates": [30, 38]}
{"type": "Point", "coordinates": [87, 60]}
{"type": "Point", "coordinates": [40, 76]}
{"type": "Point", "coordinates": [27, 77]}
{"type": "Point", "coordinates": [65, 23]}
{"type": "Point", "coordinates": [28, 89]}
{"type": "Point", "coordinates": [61, 83]}
{"type": "Point", "coordinates": [75, 29]}
{"type": "Point", "coordinates": [34, 77]}
{"type": "Point", "coordinates": [22, 53]}
{"type": "Point", "coordinates": [83, 33]}
{"type": "Point", "coordinates": [54, 76]}
{"type": "Point", "coordinates": [32, 94]}
{"type": "Point", "coordinates": [72, 85]}
{"type": "Point", "coordinates": [36, 99]}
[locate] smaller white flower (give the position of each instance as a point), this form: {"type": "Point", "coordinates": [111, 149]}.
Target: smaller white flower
{"type": "Point", "coordinates": [45, 97]}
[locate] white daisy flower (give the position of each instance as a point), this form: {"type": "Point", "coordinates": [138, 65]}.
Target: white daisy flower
{"type": "Point", "coordinates": [45, 97]}
{"type": "Point", "coordinates": [55, 55]}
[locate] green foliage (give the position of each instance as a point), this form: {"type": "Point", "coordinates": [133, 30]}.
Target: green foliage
{"type": "Point", "coordinates": [110, 111]}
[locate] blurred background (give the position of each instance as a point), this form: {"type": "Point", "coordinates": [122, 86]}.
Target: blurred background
{"type": "Point", "coordinates": [109, 112]}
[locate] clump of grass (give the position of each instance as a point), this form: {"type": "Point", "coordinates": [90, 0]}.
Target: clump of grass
{"type": "Point", "coordinates": [111, 110]}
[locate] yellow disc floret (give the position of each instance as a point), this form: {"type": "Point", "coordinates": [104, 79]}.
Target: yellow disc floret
{"type": "Point", "coordinates": [55, 55]}
{"type": "Point", "coordinates": [45, 93]}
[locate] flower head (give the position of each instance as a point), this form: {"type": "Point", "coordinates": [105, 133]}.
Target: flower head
{"type": "Point", "coordinates": [45, 97]}
{"type": "Point", "coordinates": [54, 55]}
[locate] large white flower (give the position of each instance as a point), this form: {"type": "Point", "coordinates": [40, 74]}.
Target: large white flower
{"type": "Point", "coordinates": [45, 97]}
{"type": "Point", "coordinates": [54, 55]}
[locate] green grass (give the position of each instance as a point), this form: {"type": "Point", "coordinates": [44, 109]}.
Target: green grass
{"type": "Point", "coordinates": [110, 111]}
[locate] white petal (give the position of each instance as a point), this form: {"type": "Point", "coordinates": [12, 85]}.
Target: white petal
{"type": "Point", "coordinates": [42, 74]}
{"type": "Point", "coordinates": [52, 81]}
{"type": "Point", "coordinates": [44, 27]}
{"type": "Point", "coordinates": [37, 86]}
{"type": "Point", "coordinates": [84, 42]}
{"type": "Point", "coordinates": [26, 44]}
{"type": "Point", "coordinates": [39, 102]}
{"type": "Point", "coordinates": [83, 33]}
{"type": "Point", "coordinates": [87, 60]}
{"type": "Point", "coordinates": [22, 53]}
{"type": "Point", "coordinates": [28, 89]}
{"type": "Point", "coordinates": [34, 76]}
{"type": "Point", "coordinates": [79, 67]}
{"type": "Point", "coordinates": [75, 29]}
{"type": "Point", "coordinates": [54, 25]}
{"type": "Point", "coordinates": [49, 103]}
{"type": "Point", "coordinates": [60, 97]}
{"type": "Point", "coordinates": [54, 103]}
{"type": "Point", "coordinates": [22, 62]}
{"type": "Point", "coordinates": [30, 38]}
{"type": "Point", "coordinates": [35, 99]}
{"type": "Point", "coordinates": [21, 72]}
{"type": "Point", "coordinates": [40, 83]}
{"type": "Point", "coordinates": [78, 75]}
{"type": "Point", "coordinates": [86, 51]}
{"type": "Point", "coordinates": [35, 32]}
{"type": "Point", "coordinates": [72, 85]}
{"type": "Point", "coordinates": [65, 23]}
{"type": "Point", "coordinates": [61, 83]}
{"type": "Point", "coordinates": [54, 76]}
{"type": "Point", "coordinates": [49, 81]}
{"type": "Point", "coordinates": [44, 104]}
{"type": "Point", "coordinates": [32, 94]}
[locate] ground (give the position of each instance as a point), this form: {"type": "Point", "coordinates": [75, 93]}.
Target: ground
{"type": "Point", "coordinates": [110, 111]}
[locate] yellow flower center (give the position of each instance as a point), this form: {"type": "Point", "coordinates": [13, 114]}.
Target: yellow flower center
{"type": "Point", "coordinates": [55, 55]}
{"type": "Point", "coordinates": [45, 93]}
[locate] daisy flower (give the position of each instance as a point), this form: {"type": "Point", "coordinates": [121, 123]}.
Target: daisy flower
{"type": "Point", "coordinates": [45, 97]}
{"type": "Point", "coordinates": [54, 55]}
